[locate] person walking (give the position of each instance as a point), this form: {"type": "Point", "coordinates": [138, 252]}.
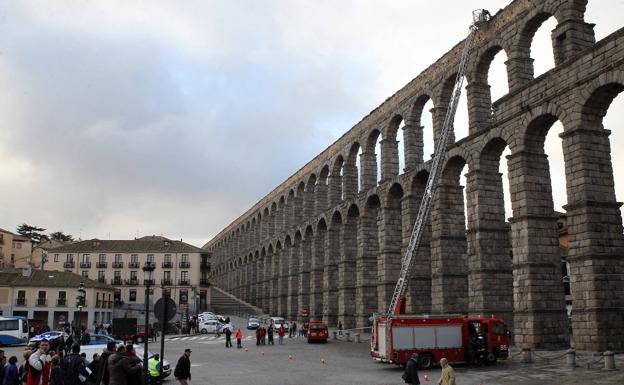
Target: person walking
{"type": "Point", "coordinates": [228, 338]}
{"type": "Point", "coordinates": [263, 335]}
{"type": "Point", "coordinates": [119, 369]}
{"type": "Point", "coordinates": [154, 370]}
{"type": "Point", "coordinates": [270, 332]}
{"type": "Point", "coordinates": [39, 365]}
{"type": "Point", "coordinates": [258, 336]}
{"type": "Point", "coordinates": [294, 329]}
{"type": "Point", "coordinates": [239, 338]}
{"type": "Point", "coordinates": [92, 368]}
{"type": "Point", "coordinates": [73, 368]}
{"type": "Point", "coordinates": [10, 374]}
{"type": "Point", "coordinates": [410, 375]}
{"type": "Point", "coordinates": [102, 373]}
{"type": "Point", "coordinates": [280, 333]}
{"type": "Point", "coordinates": [448, 374]}
{"type": "Point", "coordinates": [182, 371]}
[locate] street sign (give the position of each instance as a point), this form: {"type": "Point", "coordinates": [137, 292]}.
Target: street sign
{"type": "Point", "coordinates": [159, 309]}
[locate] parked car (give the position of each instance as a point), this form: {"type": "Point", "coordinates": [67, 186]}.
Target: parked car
{"type": "Point", "coordinates": [209, 326]}
{"type": "Point", "coordinates": [278, 322]}
{"type": "Point", "coordinates": [317, 331]}
{"type": "Point", "coordinates": [253, 323]}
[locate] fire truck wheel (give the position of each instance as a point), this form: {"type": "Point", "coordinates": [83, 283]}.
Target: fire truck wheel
{"type": "Point", "coordinates": [425, 360]}
{"type": "Point", "coordinates": [491, 358]}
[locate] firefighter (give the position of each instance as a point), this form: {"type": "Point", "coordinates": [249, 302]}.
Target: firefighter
{"type": "Point", "coordinates": [154, 370]}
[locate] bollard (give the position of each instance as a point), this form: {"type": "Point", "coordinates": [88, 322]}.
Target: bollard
{"type": "Point", "coordinates": [571, 358]}
{"type": "Point", "coordinates": [609, 359]}
{"type": "Point", "coordinates": [357, 338]}
{"type": "Point", "coordinates": [348, 334]}
{"type": "Point", "coordinates": [335, 335]}
{"type": "Point", "coordinates": [526, 354]}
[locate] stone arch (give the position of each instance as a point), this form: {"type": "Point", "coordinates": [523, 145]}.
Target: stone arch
{"type": "Point", "coordinates": [309, 198]}
{"type": "Point", "coordinates": [322, 191]}
{"type": "Point", "coordinates": [368, 161]}
{"type": "Point", "coordinates": [335, 181]}
{"type": "Point", "coordinates": [390, 154]}
{"type": "Point", "coordinates": [350, 178]}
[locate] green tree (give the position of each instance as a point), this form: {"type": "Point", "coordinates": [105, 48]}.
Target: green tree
{"type": "Point", "coordinates": [33, 233]}
{"type": "Point", "coordinates": [61, 236]}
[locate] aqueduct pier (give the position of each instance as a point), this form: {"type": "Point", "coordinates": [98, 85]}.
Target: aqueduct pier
{"type": "Point", "coordinates": [330, 237]}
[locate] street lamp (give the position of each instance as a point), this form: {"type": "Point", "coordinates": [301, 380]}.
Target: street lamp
{"type": "Point", "coordinates": [148, 280]}
{"type": "Point", "coordinates": [80, 302]}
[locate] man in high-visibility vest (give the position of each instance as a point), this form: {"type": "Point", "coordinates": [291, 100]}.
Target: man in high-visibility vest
{"type": "Point", "coordinates": [154, 370]}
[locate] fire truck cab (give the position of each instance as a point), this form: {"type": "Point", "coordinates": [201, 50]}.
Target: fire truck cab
{"type": "Point", "coordinates": [454, 337]}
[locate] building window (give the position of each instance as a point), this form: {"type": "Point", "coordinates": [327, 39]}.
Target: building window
{"type": "Point", "coordinates": [118, 258]}
{"type": "Point", "coordinates": [101, 275]}
{"type": "Point", "coordinates": [85, 258]}
{"type": "Point", "coordinates": [184, 275]}
{"type": "Point", "coordinates": [70, 257]}
{"type": "Point", "coordinates": [183, 296]}
{"type": "Point", "coordinates": [133, 275]}
{"type": "Point", "coordinates": [41, 298]}
{"type": "Point", "coordinates": [85, 273]}
{"type": "Point", "coordinates": [21, 294]}
{"type": "Point", "coordinates": [56, 257]}
{"type": "Point", "coordinates": [134, 258]}
{"type": "Point", "coordinates": [167, 258]}
{"type": "Point", "coordinates": [150, 258]}
{"type": "Point", "coordinates": [184, 258]}
{"type": "Point", "coordinates": [132, 296]}
{"type": "Point", "coordinates": [102, 258]}
{"type": "Point", "coordinates": [117, 274]}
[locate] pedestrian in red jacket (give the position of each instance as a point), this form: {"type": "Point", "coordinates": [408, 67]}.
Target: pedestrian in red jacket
{"type": "Point", "coordinates": [239, 338]}
{"type": "Point", "coordinates": [280, 333]}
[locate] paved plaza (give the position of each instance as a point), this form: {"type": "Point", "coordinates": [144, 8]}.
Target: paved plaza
{"type": "Point", "coordinates": [348, 363]}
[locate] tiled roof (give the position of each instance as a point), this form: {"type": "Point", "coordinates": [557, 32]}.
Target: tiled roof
{"type": "Point", "coordinates": [40, 278]}
{"type": "Point", "coordinates": [140, 245]}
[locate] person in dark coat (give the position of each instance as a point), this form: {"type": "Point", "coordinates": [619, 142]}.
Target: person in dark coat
{"type": "Point", "coordinates": [102, 372]}
{"type": "Point", "coordinates": [410, 376]}
{"type": "Point", "coordinates": [10, 374]}
{"type": "Point", "coordinates": [228, 338]}
{"type": "Point", "coordinates": [93, 367]}
{"type": "Point", "coordinates": [56, 378]}
{"type": "Point", "coordinates": [182, 371]}
{"type": "Point", "coordinates": [119, 368]}
{"type": "Point", "coordinates": [73, 367]}
{"type": "Point", "coordinates": [133, 360]}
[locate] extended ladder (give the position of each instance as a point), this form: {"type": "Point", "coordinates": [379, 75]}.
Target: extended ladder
{"type": "Point", "coordinates": [479, 16]}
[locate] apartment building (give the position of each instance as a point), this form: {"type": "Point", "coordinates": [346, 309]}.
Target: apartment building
{"type": "Point", "coordinates": [13, 248]}
{"type": "Point", "coordinates": [181, 269]}
{"type": "Point", "coordinates": [49, 297]}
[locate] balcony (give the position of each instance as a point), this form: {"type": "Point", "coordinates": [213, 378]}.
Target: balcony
{"type": "Point", "coordinates": [102, 279]}
{"type": "Point", "coordinates": [166, 281]}
{"type": "Point", "coordinates": [185, 265]}
{"type": "Point", "coordinates": [118, 265]}
{"type": "Point", "coordinates": [42, 302]}
{"type": "Point", "coordinates": [61, 302]}
{"type": "Point", "coordinates": [147, 263]}
{"type": "Point", "coordinates": [85, 265]}
{"type": "Point", "coordinates": [204, 265]}
{"type": "Point", "coordinates": [132, 282]}
{"type": "Point", "coordinates": [149, 282]}
{"type": "Point", "coordinates": [69, 265]}
{"type": "Point", "coordinates": [204, 282]}
{"type": "Point", "coordinates": [184, 282]}
{"type": "Point", "coordinates": [133, 265]}
{"type": "Point", "coordinates": [101, 265]}
{"type": "Point", "coordinates": [167, 265]}
{"type": "Point", "coordinates": [20, 302]}
{"type": "Point", "coordinates": [116, 281]}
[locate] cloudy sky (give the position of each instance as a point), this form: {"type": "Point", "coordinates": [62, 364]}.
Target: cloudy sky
{"type": "Point", "coordinates": [125, 118]}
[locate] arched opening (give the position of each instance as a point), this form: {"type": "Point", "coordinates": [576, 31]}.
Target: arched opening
{"type": "Point", "coordinates": [317, 268]}
{"type": "Point", "coordinates": [418, 295]}
{"type": "Point", "coordinates": [536, 36]}
{"type": "Point", "coordinates": [536, 269]}
{"type": "Point", "coordinates": [497, 76]}
{"type": "Point", "coordinates": [613, 121]}
{"type": "Point", "coordinates": [488, 83]}
{"type": "Point", "coordinates": [422, 117]}
{"type": "Point", "coordinates": [392, 162]}
{"type": "Point", "coordinates": [391, 245]}
{"type": "Point", "coordinates": [330, 270]}
{"type": "Point", "coordinates": [347, 268]}
{"type": "Point", "coordinates": [335, 182]}
{"type": "Point", "coordinates": [309, 197]}
{"type": "Point", "coordinates": [351, 172]}
{"type": "Point", "coordinates": [322, 188]}
{"type": "Point", "coordinates": [461, 123]}
{"type": "Point", "coordinates": [401, 145]}
{"type": "Point", "coordinates": [448, 258]}
{"type": "Point", "coordinates": [489, 247]}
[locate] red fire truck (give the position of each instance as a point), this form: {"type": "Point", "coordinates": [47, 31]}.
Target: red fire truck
{"type": "Point", "coordinates": [454, 337]}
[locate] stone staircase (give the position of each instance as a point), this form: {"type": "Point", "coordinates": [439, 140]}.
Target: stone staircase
{"type": "Point", "coordinates": [224, 303]}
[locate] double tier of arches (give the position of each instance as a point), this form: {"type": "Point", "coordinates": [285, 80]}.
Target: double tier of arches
{"type": "Point", "coordinates": [332, 242]}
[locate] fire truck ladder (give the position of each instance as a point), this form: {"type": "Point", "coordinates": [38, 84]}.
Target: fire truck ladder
{"type": "Point", "coordinates": [479, 16]}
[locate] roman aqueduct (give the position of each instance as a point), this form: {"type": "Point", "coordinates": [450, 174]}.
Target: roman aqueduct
{"type": "Point", "coordinates": [330, 238]}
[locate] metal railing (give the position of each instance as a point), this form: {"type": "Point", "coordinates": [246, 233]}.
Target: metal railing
{"type": "Point", "coordinates": [118, 265]}
{"type": "Point", "coordinates": [69, 264]}
{"type": "Point", "coordinates": [85, 265]}
{"type": "Point", "coordinates": [101, 265]}
{"type": "Point", "coordinates": [185, 264]}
